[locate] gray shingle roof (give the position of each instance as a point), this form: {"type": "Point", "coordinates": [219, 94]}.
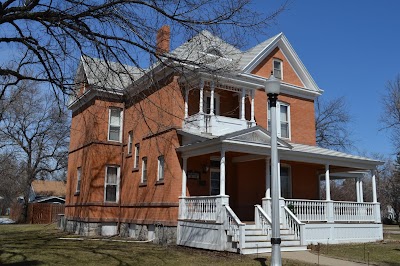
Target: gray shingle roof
{"type": "Point", "coordinates": [109, 75]}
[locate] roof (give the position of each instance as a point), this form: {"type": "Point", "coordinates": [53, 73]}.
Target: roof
{"type": "Point", "coordinates": [49, 188]}
{"type": "Point", "coordinates": [250, 54]}
{"type": "Point", "coordinates": [256, 141]}
{"type": "Point", "coordinates": [107, 74]}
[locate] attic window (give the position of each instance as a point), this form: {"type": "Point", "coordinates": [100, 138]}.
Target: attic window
{"type": "Point", "coordinates": [214, 51]}
{"type": "Point", "coordinates": [277, 65]}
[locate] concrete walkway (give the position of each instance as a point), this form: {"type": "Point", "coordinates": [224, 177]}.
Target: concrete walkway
{"type": "Point", "coordinates": [311, 258]}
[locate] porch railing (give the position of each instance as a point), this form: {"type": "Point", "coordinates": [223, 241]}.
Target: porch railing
{"type": "Point", "coordinates": [334, 211]}
{"type": "Point", "coordinates": [201, 208]}
{"type": "Point", "coordinates": [308, 210]}
{"type": "Point", "coordinates": [262, 220]}
{"type": "Point", "coordinates": [353, 211]}
{"type": "Point", "coordinates": [294, 225]}
{"type": "Point", "coordinates": [234, 227]}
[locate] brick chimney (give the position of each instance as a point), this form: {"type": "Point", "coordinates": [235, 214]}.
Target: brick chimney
{"type": "Point", "coordinates": [163, 40]}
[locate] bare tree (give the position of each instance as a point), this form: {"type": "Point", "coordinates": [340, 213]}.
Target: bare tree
{"type": "Point", "coordinates": [332, 120]}
{"type": "Point", "coordinates": [50, 36]}
{"type": "Point", "coordinates": [35, 130]}
{"type": "Point", "coordinates": [391, 115]}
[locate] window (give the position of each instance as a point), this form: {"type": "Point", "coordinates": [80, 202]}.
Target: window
{"type": "Point", "coordinates": [207, 103]}
{"type": "Point", "coordinates": [111, 184]}
{"type": "Point", "coordinates": [277, 69]}
{"type": "Point", "coordinates": [144, 170]}
{"type": "Point", "coordinates": [115, 122]}
{"type": "Point", "coordinates": [283, 119]}
{"type": "Point", "coordinates": [160, 175]}
{"type": "Point", "coordinates": [286, 188]}
{"type": "Point", "coordinates": [215, 182]}
{"type": "Point", "coordinates": [136, 162]}
{"type": "Point", "coordinates": [78, 179]}
{"type": "Point", "coordinates": [130, 139]}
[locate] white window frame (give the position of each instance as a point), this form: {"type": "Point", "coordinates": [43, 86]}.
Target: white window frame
{"type": "Point", "coordinates": [161, 168]}
{"type": "Point", "coordinates": [117, 183]}
{"type": "Point", "coordinates": [78, 179]}
{"type": "Point", "coordinates": [144, 176]}
{"type": "Point", "coordinates": [120, 123]}
{"type": "Point", "coordinates": [136, 160]}
{"type": "Point", "coordinates": [278, 117]}
{"type": "Point", "coordinates": [273, 68]}
{"type": "Point", "coordinates": [207, 94]}
{"type": "Point", "coordinates": [130, 142]}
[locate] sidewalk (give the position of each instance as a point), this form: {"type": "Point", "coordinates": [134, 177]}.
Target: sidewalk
{"type": "Point", "coordinates": [309, 257]}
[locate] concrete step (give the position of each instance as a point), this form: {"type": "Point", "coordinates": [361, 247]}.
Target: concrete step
{"type": "Point", "coordinates": [266, 244]}
{"type": "Point", "coordinates": [263, 237]}
{"type": "Point", "coordinates": [269, 249]}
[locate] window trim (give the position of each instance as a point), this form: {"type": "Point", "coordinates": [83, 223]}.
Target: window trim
{"type": "Point", "coordinates": [120, 123]}
{"type": "Point", "coordinates": [130, 142]}
{"type": "Point", "coordinates": [278, 117]}
{"type": "Point", "coordinates": [117, 184]}
{"type": "Point", "coordinates": [273, 67]}
{"type": "Point", "coordinates": [143, 180]}
{"type": "Point", "coordinates": [161, 175]}
{"type": "Point", "coordinates": [78, 180]}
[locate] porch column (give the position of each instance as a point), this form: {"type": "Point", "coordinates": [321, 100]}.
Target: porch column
{"type": "Point", "coordinates": [327, 183]}
{"type": "Point", "coordinates": [374, 197]}
{"type": "Point", "coordinates": [361, 191]}
{"type": "Point", "coordinates": [222, 174]}
{"type": "Point", "coordinates": [329, 203]}
{"type": "Point", "coordinates": [377, 207]}
{"type": "Point", "coordinates": [279, 179]}
{"type": "Point", "coordinates": [267, 178]}
{"type": "Point", "coordinates": [201, 96]}
{"type": "Point", "coordinates": [242, 105]}
{"type": "Point", "coordinates": [358, 189]}
{"type": "Point", "coordinates": [184, 177]}
{"type": "Point", "coordinates": [212, 98]}
{"type": "Point", "coordinates": [186, 102]}
{"type": "Point", "coordinates": [252, 105]}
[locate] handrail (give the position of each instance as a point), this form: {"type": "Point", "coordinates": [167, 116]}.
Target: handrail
{"type": "Point", "coordinates": [296, 227]}
{"type": "Point", "coordinates": [234, 227]}
{"type": "Point", "coordinates": [262, 220]}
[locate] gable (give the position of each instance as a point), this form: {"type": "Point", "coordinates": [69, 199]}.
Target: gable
{"type": "Point", "coordinates": [279, 46]}
{"type": "Point", "coordinates": [255, 135]}
{"type": "Point", "coordinates": [266, 66]}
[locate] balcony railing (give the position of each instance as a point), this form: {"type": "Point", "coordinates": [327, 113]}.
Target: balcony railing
{"type": "Point", "coordinates": [214, 124]}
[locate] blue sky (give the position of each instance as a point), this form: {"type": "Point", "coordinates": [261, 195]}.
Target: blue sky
{"type": "Point", "coordinates": [351, 48]}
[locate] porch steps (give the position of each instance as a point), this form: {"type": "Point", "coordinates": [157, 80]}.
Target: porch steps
{"type": "Point", "coordinates": [256, 242]}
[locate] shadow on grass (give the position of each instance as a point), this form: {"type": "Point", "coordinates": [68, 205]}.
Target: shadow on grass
{"type": "Point", "coordinates": [262, 261]}
{"type": "Point", "coordinates": [23, 263]}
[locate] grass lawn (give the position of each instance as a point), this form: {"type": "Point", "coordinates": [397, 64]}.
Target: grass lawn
{"type": "Point", "coordinates": [385, 253]}
{"type": "Point", "coordinates": [38, 245]}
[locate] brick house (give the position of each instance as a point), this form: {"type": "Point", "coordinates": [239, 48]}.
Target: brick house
{"type": "Point", "coordinates": [185, 147]}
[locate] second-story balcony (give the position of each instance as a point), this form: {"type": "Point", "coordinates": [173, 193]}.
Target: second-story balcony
{"type": "Point", "coordinates": [231, 109]}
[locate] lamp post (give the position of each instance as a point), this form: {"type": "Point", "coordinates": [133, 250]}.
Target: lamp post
{"type": "Point", "coordinates": [272, 89]}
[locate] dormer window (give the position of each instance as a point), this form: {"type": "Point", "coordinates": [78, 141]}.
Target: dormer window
{"type": "Point", "coordinates": [278, 68]}
{"type": "Point", "coordinates": [214, 51]}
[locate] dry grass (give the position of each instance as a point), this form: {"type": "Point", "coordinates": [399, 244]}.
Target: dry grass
{"type": "Point", "coordinates": [39, 245]}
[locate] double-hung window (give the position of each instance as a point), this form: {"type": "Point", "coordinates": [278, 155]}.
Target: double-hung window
{"type": "Point", "coordinates": [283, 119]}
{"type": "Point", "coordinates": [111, 184]}
{"type": "Point", "coordinates": [130, 140]}
{"type": "Point", "coordinates": [278, 72]}
{"type": "Point", "coordinates": [115, 124]}
{"type": "Point", "coordinates": [78, 179]}
{"type": "Point", "coordinates": [144, 170]}
{"type": "Point", "coordinates": [161, 163]}
{"type": "Point", "coordinates": [136, 162]}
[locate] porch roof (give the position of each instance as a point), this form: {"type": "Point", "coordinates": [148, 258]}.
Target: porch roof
{"type": "Point", "coordinates": [257, 141]}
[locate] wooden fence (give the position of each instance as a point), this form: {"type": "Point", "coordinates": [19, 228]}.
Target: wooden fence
{"type": "Point", "coordinates": [38, 213]}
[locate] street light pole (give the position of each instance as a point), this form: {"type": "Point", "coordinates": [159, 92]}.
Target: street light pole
{"type": "Point", "coordinates": [272, 88]}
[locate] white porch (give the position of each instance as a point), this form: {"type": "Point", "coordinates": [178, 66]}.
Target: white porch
{"type": "Point", "coordinates": [210, 221]}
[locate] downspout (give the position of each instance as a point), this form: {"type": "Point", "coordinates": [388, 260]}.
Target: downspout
{"type": "Point", "coordinates": [121, 170]}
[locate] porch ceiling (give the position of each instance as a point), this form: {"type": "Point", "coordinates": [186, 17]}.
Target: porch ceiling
{"type": "Point", "coordinates": [256, 140]}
